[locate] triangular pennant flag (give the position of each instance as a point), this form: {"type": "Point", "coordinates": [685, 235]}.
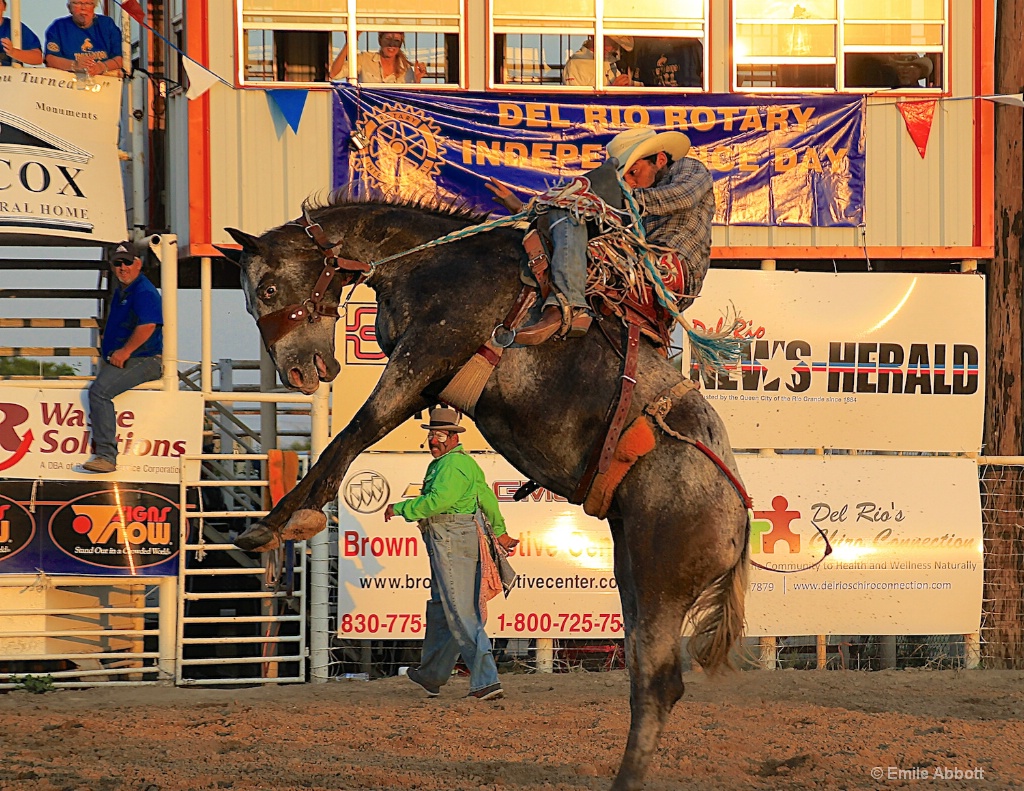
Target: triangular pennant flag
{"type": "Point", "coordinates": [918, 118]}
{"type": "Point", "coordinates": [134, 10]}
{"type": "Point", "coordinates": [291, 102]}
{"type": "Point", "coordinates": [200, 79]}
{"type": "Point", "coordinates": [1016, 99]}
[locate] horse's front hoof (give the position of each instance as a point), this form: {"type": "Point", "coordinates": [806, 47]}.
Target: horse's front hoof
{"type": "Point", "coordinates": [304, 523]}
{"type": "Point", "coordinates": [258, 538]}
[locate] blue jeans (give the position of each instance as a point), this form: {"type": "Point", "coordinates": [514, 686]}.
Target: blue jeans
{"type": "Point", "coordinates": [453, 612]}
{"type": "Point", "coordinates": [568, 259]}
{"type": "Point", "coordinates": [111, 381]}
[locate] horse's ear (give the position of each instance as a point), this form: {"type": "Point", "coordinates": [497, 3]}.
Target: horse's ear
{"type": "Point", "coordinates": [250, 243]}
{"type": "Point", "coordinates": [232, 254]}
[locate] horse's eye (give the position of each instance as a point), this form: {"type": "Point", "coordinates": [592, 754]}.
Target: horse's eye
{"type": "Point", "coordinates": [269, 292]}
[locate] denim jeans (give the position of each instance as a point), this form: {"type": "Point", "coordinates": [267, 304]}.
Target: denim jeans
{"type": "Point", "coordinates": [568, 259]}
{"type": "Point", "coordinates": [453, 611]}
{"type": "Point", "coordinates": [111, 381]}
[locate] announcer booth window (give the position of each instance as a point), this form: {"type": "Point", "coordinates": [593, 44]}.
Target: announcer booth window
{"type": "Point", "coordinates": [644, 45]}
{"type": "Point", "coordinates": [304, 41]}
{"type": "Point", "coordinates": [830, 45]}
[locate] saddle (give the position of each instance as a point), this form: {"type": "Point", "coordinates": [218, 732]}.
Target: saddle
{"type": "Point", "coordinates": [617, 282]}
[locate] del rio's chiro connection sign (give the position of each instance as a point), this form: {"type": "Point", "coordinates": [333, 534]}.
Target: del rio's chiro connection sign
{"type": "Point", "coordinates": [906, 532]}
{"type": "Point", "coordinates": [776, 160]}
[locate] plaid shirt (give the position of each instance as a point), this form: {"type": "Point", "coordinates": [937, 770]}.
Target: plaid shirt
{"type": "Point", "coordinates": [677, 211]}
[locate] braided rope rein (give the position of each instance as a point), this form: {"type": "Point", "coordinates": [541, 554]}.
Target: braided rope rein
{"type": "Point", "coordinates": [715, 352]}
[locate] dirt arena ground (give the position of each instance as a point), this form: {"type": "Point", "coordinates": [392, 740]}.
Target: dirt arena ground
{"type": "Point", "coordinates": [763, 730]}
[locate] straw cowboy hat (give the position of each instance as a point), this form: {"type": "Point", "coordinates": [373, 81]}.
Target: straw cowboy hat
{"type": "Point", "coordinates": [634, 144]}
{"type": "Point", "coordinates": [443, 418]}
{"type": "Point", "coordinates": [625, 42]}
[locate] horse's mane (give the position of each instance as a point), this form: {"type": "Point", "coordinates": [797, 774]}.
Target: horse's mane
{"type": "Point", "coordinates": [454, 207]}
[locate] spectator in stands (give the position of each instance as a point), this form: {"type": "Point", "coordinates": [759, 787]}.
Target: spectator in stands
{"type": "Point", "coordinates": [908, 70]}
{"type": "Point", "coordinates": [388, 65]}
{"type": "Point", "coordinates": [84, 41]}
{"type": "Point", "coordinates": [671, 62]}
{"type": "Point", "coordinates": [31, 52]}
{"type": "Point", "coordinates": [131, 348]}
{"type": "Point", "coordinates": [581, 68]}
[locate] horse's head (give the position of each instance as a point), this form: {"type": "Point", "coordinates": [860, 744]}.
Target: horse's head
{"type": "Point", "coordinates": [291, 298]}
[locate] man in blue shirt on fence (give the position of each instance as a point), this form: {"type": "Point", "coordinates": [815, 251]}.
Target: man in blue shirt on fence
{"type": "Point", "coordinates": [84, 41]}
{"type": "Point", "coordinates": [30, 52]}
{"type": "Point", "coordinates": [131, 348]}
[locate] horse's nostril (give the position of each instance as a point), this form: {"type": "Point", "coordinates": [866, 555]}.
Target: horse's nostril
{"type": "Point", "coordinates": [295, 377]}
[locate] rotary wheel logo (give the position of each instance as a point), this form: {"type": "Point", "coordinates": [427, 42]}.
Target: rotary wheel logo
{"type": "Point", "coordinates": [367, 492]}
{"type": "Point", "coordinates": [402, 149]}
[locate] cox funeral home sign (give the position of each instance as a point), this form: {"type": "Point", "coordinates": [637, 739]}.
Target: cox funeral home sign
{"type": "Point", "coordinates": [60, 174]}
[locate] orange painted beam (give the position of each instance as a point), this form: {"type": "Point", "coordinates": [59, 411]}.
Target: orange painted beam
{"type": "Point", "coordinates": [761, 253]}
{"type": "Point", "coordinates": [984, 126]}
{"type": "Point", "coordinates": [197, 39]}
{"type": "Point", "coordinates": [851, 253]}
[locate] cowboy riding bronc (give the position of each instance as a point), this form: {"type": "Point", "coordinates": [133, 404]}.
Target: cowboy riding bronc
{"type": "Point", "coordinates": [675, 198]}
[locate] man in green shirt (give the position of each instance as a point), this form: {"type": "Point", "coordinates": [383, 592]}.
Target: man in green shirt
{"type": "Point", "coordinates": [453, 489]}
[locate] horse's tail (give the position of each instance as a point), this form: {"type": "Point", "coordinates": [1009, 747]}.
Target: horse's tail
{"type": "Point", "coordinates": [718, 615]}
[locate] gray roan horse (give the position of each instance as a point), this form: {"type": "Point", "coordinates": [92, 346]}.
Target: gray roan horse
{"type": "Point", "coordinates": [677, 523]}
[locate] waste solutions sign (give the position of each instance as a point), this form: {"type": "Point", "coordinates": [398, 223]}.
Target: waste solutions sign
{"type": "Point", "coordinates": [45, 434]}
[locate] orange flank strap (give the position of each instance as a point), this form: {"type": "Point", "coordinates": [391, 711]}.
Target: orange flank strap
{"type": "Point", "coordinates": [637, 441]}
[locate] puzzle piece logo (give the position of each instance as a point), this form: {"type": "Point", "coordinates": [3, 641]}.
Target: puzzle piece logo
{"type": "Point", "coordinates": [769, 528]}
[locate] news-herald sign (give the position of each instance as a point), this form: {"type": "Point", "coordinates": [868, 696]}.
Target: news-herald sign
{"type": "Point", "coordinates": [60, 173]}
{"type": "Point", "coordinates": [867, 361]}
{"type": "Point", "coordinates": [89, 528]}
{"type": "Point", "coordinates": [871, 361]}
{"type": "Point", "coordinates": [45, 434]}
{"type": "Point", "coordinates": [906, 533]}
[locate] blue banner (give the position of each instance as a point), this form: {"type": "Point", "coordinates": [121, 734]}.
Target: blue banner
{"type": "Point", "coordinates": [95, 528]}
{"type": "Point", "coordinates": [776, 160]}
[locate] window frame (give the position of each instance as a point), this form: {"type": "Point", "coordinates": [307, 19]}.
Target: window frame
{"type": "Point", "coordinates": [347, 17]}
{"type": "Point", "coordinates": [841, 50]}
{"type": "Point", "coordinates": [601, 26]}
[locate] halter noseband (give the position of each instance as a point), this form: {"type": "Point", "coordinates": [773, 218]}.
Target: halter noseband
{"type": "Point", "coordinates": [276, 325]}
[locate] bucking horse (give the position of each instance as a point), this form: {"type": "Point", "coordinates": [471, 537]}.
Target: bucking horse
{"type": "Point", "coordinates": [678, 517]}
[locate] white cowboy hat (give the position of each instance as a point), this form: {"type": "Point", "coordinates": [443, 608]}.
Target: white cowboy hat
{"type": "Point", "coordinates": [634, 144]}
{"type": "Point", "coordinates": [626, 42]}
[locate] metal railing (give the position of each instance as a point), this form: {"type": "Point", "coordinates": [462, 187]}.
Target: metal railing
{"type": "Point", "coordinates": [241, 617]}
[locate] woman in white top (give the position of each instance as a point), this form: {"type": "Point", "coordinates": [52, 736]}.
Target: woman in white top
{"type": "Point", "coordinates": [389, 64]}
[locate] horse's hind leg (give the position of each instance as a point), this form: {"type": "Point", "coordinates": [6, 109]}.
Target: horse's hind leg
{"type": "Point", "coordinates": [299, 515]}
{"type": "Point", "coordinates": [653, 619]}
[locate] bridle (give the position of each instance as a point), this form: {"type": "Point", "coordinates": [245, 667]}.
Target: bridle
{"type": "Point", "coordinates": [276, 325]}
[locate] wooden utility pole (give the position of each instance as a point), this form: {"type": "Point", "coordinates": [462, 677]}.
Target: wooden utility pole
{"type": "Point", "coordinates": [1004, 410]}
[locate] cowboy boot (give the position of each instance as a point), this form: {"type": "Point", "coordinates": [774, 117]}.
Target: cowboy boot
{"type": "Point", "coordinates": [571, 323]}
{"type": "Point", "coordinates": [535, 334]}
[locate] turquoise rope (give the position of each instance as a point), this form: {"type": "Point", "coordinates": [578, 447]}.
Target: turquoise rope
{"type": "Point", "coordinates": [716, 354]}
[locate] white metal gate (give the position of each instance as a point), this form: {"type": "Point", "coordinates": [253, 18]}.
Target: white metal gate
{"type": "Point", "coordinates": [241, 616]}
